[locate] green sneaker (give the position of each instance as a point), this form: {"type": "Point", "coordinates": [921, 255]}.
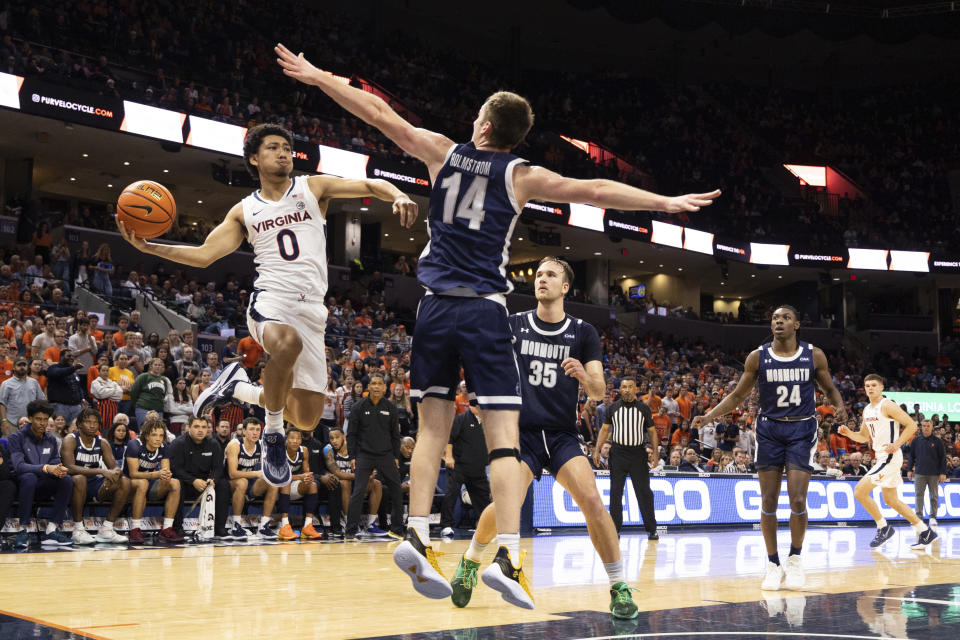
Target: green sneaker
{"type": "Point", "coordinates": [465, 581]}
{"type": "Point", "coordinates": [621, 602]}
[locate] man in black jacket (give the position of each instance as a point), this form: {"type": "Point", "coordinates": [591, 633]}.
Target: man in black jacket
{"type": "Point", "coordinates": [466, 463]}
{"type": "Point", "coordinates": [197, 462]}
{"type": "Point", "coordinates": [374, 443]}
{"type": "Point", "coordinates": [927, 464]}
{"type": "Point", "coordinates": [64, 389]}
{"type": "Point", "coordinates": [8, 488]}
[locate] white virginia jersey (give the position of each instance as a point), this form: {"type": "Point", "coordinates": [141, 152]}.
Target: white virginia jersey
{"type": "Point", "coordinates": [883, 430]}
{"type": "Point", "coordinates": [289, 240]}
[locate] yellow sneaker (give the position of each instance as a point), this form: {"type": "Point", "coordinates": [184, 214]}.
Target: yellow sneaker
{"type": "Point", "coordinates": [420, 563]}
{"type": "Point", "coordinates": [510, 581]}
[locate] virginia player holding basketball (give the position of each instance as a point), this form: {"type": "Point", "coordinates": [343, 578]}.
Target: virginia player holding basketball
{"type": "Point", "coordinates": [285, 222]}
{"type": "Point", "coordinates": [479, 189]}
{"type": "Point", "coordinates": [881, 427]}
{"type": "Point", "coordinates": [784, 371]}
{"type": "Point", "coordinates": [557, 353]}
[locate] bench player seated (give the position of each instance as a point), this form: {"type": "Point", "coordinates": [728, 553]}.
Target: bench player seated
{"type": "Point", "coordinates": [338, 463]}
{"type": "Point", "coordinates": [246, 479]}
{"type": "Point", "coordinates": [148, 466]}
{"type": "Point", "coordinates": [89, 461]}
{"type": "Point", "coordinates": [881, 427]}
{"type": "Point", "coordinates": [302, 485]}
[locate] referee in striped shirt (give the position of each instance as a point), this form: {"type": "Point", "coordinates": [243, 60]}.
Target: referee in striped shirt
{"type": "Point", "coordinates": [632, 429]}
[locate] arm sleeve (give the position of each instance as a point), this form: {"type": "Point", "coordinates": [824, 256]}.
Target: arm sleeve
{"type": "Point", "coordinates": [353, 433]}
{"type": "Point", "coordinates": [56, 371]}
{"type": "Point", "coordinates": [647, 414]}
{"type": "Point", "coordinates": [395, 431]}
{"type": "Point", "coordinates": [217, 472]}
{"type": "Point", "coordinates": [18, 459]}
{"type": "Point", "coordinates": [178, 463]}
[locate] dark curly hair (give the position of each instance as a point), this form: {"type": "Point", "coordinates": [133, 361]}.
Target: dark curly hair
{"type": "Point", "coordinates": [254, 138]}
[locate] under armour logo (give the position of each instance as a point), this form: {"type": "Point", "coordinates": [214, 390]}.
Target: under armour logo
{"type": "Point", "coordinates": [524, 330]}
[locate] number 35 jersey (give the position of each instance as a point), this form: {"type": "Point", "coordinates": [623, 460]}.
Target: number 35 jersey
{"type": "Point", "coordinates": [550, 396]}
{"type": "Point", "coordinates": [473, 210]}
{"type": "Point", "coordinates": [289, 240]}
{"type": "Point", "coordinates": [786, 383]}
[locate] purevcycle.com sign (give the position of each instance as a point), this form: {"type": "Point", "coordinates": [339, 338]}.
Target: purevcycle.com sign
{"type": "Point", "coordinates": [707, 499]}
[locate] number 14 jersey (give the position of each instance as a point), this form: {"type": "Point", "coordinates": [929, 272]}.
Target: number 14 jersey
{"type": "Point", "coordinates": [473, 210]}
{"type": "Point", "coordinates": [786, 383]}
{"type": "Point", "coordinates": [550, 396]}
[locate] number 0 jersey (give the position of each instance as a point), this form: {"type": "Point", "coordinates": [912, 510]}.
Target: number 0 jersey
{"type": "Point", "coordinates": [786, 384]}
{"type": "Point", "coordinates": [289, 240]}
{"type": "Point", "coordinates": [549, 395]}
{"type": "Point", "coordinates": [472, 214]}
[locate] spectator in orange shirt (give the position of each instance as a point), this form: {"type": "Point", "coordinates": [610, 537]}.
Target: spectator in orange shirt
{"type": "Point", "coordinates": [839, 444]}
{"type": "Point", "coordinates": [36, 372]}
{"type": "Point", "coordinates": [653, 401]}
{"type": "Point", "coordinates": [52, 354]}
{"type": "Point", "coordinates": [825, 410]}
{"type": "Point", "coordinates": [462, 400]}
{"type": "Point", "coordinates": [250, 352]}
{"type": "Point", "coordinates": [661, 421]}
{"type": "Point", "coordinates": [8, 334]}
{"type": "Point", "coordinates": [96, 333]}
{"type": "Point", "coordinates": [6, 364]}
{"type": "Point", "coordinates": [120, 336]}
{"type": "Point", "coordinates": [685, 404]}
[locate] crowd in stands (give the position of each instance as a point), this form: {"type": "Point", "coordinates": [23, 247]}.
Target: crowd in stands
{"type": "Point", "coordinates": [897, 145]}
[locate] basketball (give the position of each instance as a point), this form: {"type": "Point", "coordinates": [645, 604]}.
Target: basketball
{"type": "Point", "coordinates": [146, 208]}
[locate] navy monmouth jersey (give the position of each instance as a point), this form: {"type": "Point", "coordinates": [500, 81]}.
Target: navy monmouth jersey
{"type": "Point", "coordinates": [147, 461]}
{"type": "Point", "coordinates": [549, 395]}
{"type": "Point", "coordinates": [296, 465]}
{"type": "Point", "coordinates": [786, 384]}
{"type": "Point", "coordinates": [473, 210]}
{"type": "Point", "coordinates": [248, 461]}
{"type": "Point", "coordinates": [88, 458]}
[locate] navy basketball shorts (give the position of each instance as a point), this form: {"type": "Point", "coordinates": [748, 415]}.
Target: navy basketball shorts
{"type": "Point", "coordinates": [470, 332]}
{"type": "Point", "coordinates": [782, 443]}
{"type": "Point", "coordinates": [549, 450]}
{"type": "Point", "coordinates": [94, 484]}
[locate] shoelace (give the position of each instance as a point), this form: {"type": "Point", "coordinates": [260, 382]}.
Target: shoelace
{"type": "Point", "coordinates": [468, 576]}
{"type": "Point", "coordinates": [623, 594]}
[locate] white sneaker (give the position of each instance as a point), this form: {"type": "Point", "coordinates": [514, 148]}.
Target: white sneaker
{"type": "Point", "coordinates": [110, 536]}
{"type": "Point", "coordinates": [794, 578]}
{"type": "Point", "coordinates": [80, 536]}
{"type": "Point", "coordinates": [773, 579]}
{"type": "Point", "coordinates": [447, 532]}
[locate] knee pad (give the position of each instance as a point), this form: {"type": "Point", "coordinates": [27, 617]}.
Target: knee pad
{"type": "Point", "coordinates": [504, 453]}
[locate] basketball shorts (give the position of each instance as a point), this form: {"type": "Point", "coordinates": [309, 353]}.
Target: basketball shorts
{"type": "Point", "coordinates": [885, 473]}
{"type": "Point", "coordinates": [782, 443]}
{"type": "Point", "coordinates": [548, 450]}
{"type": "Point", "coordinates": [94, 484]}
{"type": "Point", "coordinates": [251, 495]}
{"type": "Point", "coordinates": [472, 333]}
{"type": "Point", "coordinates": [308, 318]}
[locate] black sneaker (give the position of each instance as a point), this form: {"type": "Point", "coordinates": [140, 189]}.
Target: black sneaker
{"type": "Point", "coordinates": [653, 536]}
{"type": "Point", "coordinates": [924, 539]}
{"type": "Point", "coordinates": [420, 563]}
{"type": "Point", "coordinates": [510, 581]}
{"type": "Point", "coordinates": [23, 540]}
{"type": "Point", "coordinates": [882, 536]}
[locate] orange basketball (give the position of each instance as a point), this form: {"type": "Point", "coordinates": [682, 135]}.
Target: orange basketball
{"type": "Point", "coordinates": [146, 208]}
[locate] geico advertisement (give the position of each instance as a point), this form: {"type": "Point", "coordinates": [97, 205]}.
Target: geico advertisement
{"type": "Point", "coordinates": [718, 500]}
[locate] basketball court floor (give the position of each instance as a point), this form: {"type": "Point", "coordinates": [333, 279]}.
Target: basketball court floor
{"type": "Point", "coordinates": [689, 585]}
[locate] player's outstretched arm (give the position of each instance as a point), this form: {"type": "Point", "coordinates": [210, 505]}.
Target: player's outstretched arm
{"type": "Point", "coordinates": [744, 386]}
{"type": "Point", "coordinates": [537, 183]}
{"type": "Point", "coordinates": [223, 240]}
{"type": "Point", "coordinates": [328, 187]}
{"type": "Point", "coordinates": [825, 382]}
{"type": "Point", "coordinates": [428, 146]}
